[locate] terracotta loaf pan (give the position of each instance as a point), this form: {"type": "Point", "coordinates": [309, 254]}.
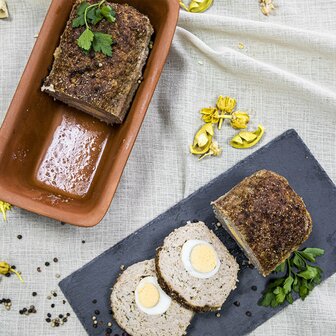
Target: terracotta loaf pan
{"type": "Point", "coordinates": [62, 163]}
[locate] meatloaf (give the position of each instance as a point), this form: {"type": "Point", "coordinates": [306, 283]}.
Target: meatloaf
{"type": "Point", "coordinates": [100, 85]}
{"type": "Point", "coordinates": [266, 217]}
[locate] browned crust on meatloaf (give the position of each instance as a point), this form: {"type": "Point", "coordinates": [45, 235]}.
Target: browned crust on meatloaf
{"type": "Point", "coordinates": [268, 215]}
{"type": "Point", "coordinates": [175, 295]}
{"type": "Point", "coordinates": [94, 83]}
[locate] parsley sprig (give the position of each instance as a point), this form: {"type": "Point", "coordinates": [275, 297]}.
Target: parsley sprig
{"type": "Point", "coordinates": [91, 15]}
{"type": "Point", "coordinates": [300, 277]}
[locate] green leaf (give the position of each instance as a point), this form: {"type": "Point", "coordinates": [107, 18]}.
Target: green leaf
{"type": "Point", "coordinates": [274, 303]}
{"type": "Point", "coordinates": [108, 13]}
{"type": "Point", "coordinates": [103, 43]}
{"type": "Point", "coordinates": [85, 40]}
{"type": "Point", "coordinates": [281, 268]}
{"type": "Point", "coordinates": [288, 284]}
{"type": "Point", "coordinates": [82, 7]}
{"type": "Point", "coordinates": [267, 299]}
{"type": "Point", "coordinates": [315, 252]}
{"type": "Point", "coordinates": [277, 290]}
{"type": "Point", "coordinates": [289, 298]}
{"type": "Point", "coordinates": [98, 16]}
{"type": "Point", "coordinates": [309, 273]}
{"type": "Point", "coordinates": [298, 262]}
{"type": "Point", "coordinates": [78, 21]}
{"type": "Point", "coordinates": [303, 292]}
{"type": "Point", "coordinates": [281, 296]}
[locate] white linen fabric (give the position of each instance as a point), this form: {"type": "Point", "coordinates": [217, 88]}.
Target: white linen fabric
{"type": "Point", "coordinates": [284, 75]}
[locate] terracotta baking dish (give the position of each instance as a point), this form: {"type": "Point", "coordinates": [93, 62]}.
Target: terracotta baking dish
{"type": "Point", "coordinates": [35, 123]}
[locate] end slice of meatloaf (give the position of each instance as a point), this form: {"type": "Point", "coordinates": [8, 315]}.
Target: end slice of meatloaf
{"type": "Point", "coordinates": [100, 85]}
{"type": "Point", "coordinates": [266, 217]}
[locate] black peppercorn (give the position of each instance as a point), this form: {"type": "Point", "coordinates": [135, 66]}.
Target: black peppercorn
{"type": "Point", "coordinates": [94, 301]}
{"type": "Point", "coordinates": [48, 320]}
{"type": "Point", "coordinates": [19, 237]}
{"type": "Point", "coordinates": [49, 315]}
{"type": "Point", "coordinates": [52, 305]}
{"type": "Point", "coordinates": [47, 263]}
{"type": "Point", "coordinates": [236, 303]}
{"type": "Point", "coordinates": [97, 312]}
{"type": "Point", "coordinates": [248, 313]}
{"type": "Point", "coordinates": [254, 288]}
{"type": "Point", "coordinates": [55, 260]}
{"type": "Point", "coordinates": [34, 293]}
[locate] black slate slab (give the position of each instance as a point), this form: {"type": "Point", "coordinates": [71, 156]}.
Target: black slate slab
{"type": "Point", "coordinates": [286, 155]}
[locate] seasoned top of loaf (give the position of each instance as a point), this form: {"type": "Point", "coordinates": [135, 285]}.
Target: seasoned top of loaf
{"type": "Point", "coordinates": [269, 216]}
{"type": "Point", "coordinates": [100, 81]}
{"type": "Point", "coordinates": [137, 323]}
{"type": "Point", "coordinates": [195, 293]}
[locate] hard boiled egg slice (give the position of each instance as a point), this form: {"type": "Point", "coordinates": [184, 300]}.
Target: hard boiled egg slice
{"type": "Point", "coordinates": [150, 298]}
{"type": "Point", "coordinates": [200, 259]}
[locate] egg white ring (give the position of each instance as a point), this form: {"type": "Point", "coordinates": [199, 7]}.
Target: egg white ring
{"type": "Point", "coordinates": [185, 256]}
{"type": "Point", "coordinates": [164, 300]}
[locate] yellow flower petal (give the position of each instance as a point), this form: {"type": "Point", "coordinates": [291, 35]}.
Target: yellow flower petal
{"type": "Point", "coordinates": [245, 140]}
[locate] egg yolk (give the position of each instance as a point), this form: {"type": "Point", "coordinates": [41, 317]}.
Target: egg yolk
{"type": "Point", "coordinates": [203, 258]}
{"type": "Point", "coordinates": [148, 295]}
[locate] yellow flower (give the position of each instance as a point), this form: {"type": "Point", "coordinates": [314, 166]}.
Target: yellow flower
{"type": "Point", "coordinates": [202, 140]}
{"type": "Point", "coordinates": [4, 207]}
{"type": "Point", "coordinates": [6, 268]}
{"type": "Point", "coordinates": [210, 115]}
{"type": "Point", "coordinates": [226, 104]}
{"type": "Point", "coordinates": [239, 119]}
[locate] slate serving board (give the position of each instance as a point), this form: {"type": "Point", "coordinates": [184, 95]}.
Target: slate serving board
{"type": "Point", "coordinates": [286, 155]}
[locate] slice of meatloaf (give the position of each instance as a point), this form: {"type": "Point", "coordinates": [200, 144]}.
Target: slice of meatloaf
{"type": "Point", "coordinates": [100, 85]}
{"type": "Point", "coordinates": [266, 217]}
{"type": "Point", "coordinates": [197, 294]}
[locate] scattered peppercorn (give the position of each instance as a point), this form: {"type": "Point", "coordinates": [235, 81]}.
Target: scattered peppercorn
{"type": "Point", "coordinates": [83, 241]}
{"type": "Point", "coordinates": [52, 305]}
{"type": "Point", "coordinates": [254, 288]}
{"type": "Point", "coordinates": [47, 263]}
{"type": "Point", "coordinates": [248, 313]}
{"type": "Point", "coordinates": [94, 301]}
{"type": "Point", "coordinates": [54, 294]}
{"type": "Point", "coordinates": [68, 314]}
{"type": "Point", "coordinates": [19, 237]}
{"type": "Point", "coordinates": [49, 315]}
{"type": "Point", "coordinates": [48, 320]}
{"type": "Point", "coordinates": [108, 330]}
{"type": "Point", "coordinates": [97, 312]}
{"type": "Point", "coordinates": [236, 303]}
{"type": "Point", "coordinates": [64, 302]}
{"type": "Point", "coordinates": [34, 293]}
{"type": "Point", "coordinates": [55, 260]}
{"type": "Point", "coordinates": [38, 269]}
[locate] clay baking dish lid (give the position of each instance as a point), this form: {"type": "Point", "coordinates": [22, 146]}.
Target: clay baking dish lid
{"type": "Point", "coordinates": [34, 119]}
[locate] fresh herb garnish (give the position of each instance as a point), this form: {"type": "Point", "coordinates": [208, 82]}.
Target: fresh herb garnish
{"type": "Point", "coordinates": [91, 15]}
{"type": "Point", "coordinates": [301, 277]}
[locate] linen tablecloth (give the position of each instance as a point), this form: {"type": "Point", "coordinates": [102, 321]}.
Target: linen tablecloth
{"type": "Point", "coordinates": [282, 69]}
